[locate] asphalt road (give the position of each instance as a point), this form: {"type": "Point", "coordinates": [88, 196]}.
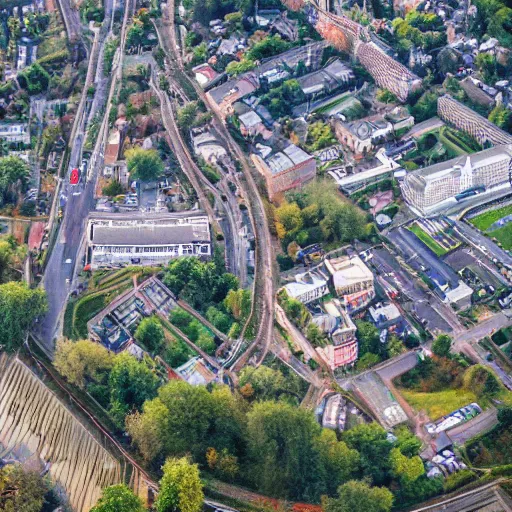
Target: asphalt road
{"type": "Point", "coordinates": [481, 423]}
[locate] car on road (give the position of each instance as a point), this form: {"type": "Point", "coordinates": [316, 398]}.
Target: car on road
{"type": "Point", "coordinates": [74, 177]}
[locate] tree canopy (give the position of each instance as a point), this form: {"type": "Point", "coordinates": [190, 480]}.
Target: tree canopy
{"type": "Point", "coordinates": [144, 164]}
{"type": "Point", "coordinates": [150, 334]}
{"type": "Point", "coordinates": [442, 345]}
{"type": "Point", "coordinates": [14, 176]}
{"type": "Point", "coordinates": [19, 307]}
{"type": "Point", "coordinates": [357, 496]}
{"type": "Point", "coordinates": [181, 489]}
{"type": "Point", "coordinates": [116, 498]}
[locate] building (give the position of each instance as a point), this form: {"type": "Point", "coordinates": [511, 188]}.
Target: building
{"type": "Point", "coordinates": [207, 146]}
{"type": "Point", "coordinates": [251, 125]}
{"type": "Point", "coordinates": [292, 167]}
{"type": "Point", "coordinates": [327, 80]}
{"type": "Point", "coordinates": [352, 280]}
{"type": "Point", "coordinates": [363, 135]}
{"type": "Point", "coordinates": [467, 120]}
{"type": "Point", "coordinates": [135, 239]}
{"type": "Point", "coordinates": [307, 288]}
{"type": "Point", "coordinates": [385, 316]}
{"type": "Point", "coordinates": [387, 72]}
{"type": "Point", "coordinates": [15, 132]}
{"type": "Point", "coordinates": [424, 189]}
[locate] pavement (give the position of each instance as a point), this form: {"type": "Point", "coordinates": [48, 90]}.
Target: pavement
{"type": "Point", "coordinates": [478, 425]}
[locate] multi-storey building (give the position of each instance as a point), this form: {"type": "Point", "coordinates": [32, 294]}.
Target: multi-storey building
{"type": "Point", "coordinates": [151, 239]}
{"type": "Point", "coordinates": [467, 120]}
{"type": "Point", "coordinates": [15, 132]}
{"type": "Point", "coordinates": [307, 287]}
{"type": "Point", "coordinates": [290, 168]}
{"type": "Point", "coordinates": [426, 188]}
{"type": "Point", "coordinates": [352, 280]}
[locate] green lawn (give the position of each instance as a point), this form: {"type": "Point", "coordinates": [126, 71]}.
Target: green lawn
{"type": "Point", "coordinates": [485, 220]}
{"type": "Point", "coordinates": [504, 236]}
{"type": "Point", "coordinates": [440, 403]}
{"type": "Point", "coordinates": [428, 240]}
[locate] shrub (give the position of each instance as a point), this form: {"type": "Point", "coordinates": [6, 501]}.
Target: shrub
{"type": "Point", "coordinates": [456, 480]}
{"type": "Point", "coordinates": [481, 380]}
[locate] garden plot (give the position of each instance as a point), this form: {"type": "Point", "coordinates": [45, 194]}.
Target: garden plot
{"type": "Point", "coordinates": [436, 235]}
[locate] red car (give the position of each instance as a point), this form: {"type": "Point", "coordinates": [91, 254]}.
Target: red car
{"type": "Point", "coordinates": [75, 177]}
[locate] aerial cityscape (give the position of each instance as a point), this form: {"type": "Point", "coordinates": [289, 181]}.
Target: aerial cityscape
{"type": "Point", "coordinates": [255, 255]}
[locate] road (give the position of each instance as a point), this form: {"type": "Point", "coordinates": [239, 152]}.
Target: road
{"type": "Point", "coordinates": [477, 240]}
{"type": "Point", "coordinates": [71, 19]}
{"type": "Point", "coordinates": [64, 258]}
{"type": "Point", "coordinates": [478, 425]}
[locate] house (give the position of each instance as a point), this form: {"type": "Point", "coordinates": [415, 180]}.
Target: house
{"type": "Point", "coordinates": [344, 348]}
{"type": "Point", "coordinates": [204, 74]}
{"type": "Point", "coordinates": [207, 146]}
{"type": "Point", "coordinates": [145, 239]}
{"type": "Point", "coordinates": [252, 125]}
{"type": "Point", "coordinates": [290, 168]}
{"type": "Point", "coordinates": [308, 287]}
{"type": "Point", "coordinates": [15, 132]}
{"type": "Point", "coordinates": [352, 280]}
{"type": "Point", "coordinates": [385, 316]}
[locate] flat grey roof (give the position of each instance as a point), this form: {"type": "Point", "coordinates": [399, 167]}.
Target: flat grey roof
{"type": "Point", "coordinates": [150, 234]}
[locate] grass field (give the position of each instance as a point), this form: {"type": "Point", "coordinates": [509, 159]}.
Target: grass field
{"type": "Point", "coordinates": [438, 404]}
{"type": "Point", "coordinates": [428, 240]}
{"type": "Point", "coordinates": [485, 220]}
{"type": "Point", "coordinates": [504, 236]}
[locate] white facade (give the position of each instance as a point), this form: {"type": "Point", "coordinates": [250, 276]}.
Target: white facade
{"type": "Point", "coordinates": [309, 287]}
{"type": "Point", "coordinates": [146, 241]}
{"type": "Point", "coordinates": [15, 132]}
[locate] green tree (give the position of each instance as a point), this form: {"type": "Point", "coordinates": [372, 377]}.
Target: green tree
{"type": "Point", "coordinates": [442, 345]}
{"type": "Point", "coordinates": [357, 496]}
{"type": "Point", "coordinates": [407, 469]}
{"type": "Point", "coordinates": [370, 440]}
{"type": "Point", "coordinates": [19, 308]}
{"type": "Point", "coordinates": [486, 64]}
{"type": "Point", "coordinates": [82, 360]}
{"type": "Point", "coordinates": [238, 303]}
{"type": "Point", "coordinates": [425, 107]}
{"type": "Point", "coordinates": [268, 47]}
{"type": "Point", "coordinates": [236, 68]}
{"type": "Point", "coordinates": [181, 489]}
{"type": "Point", "coordinates": [289, 215]}
{"type": "Point", "coordinates": [281, 444]}
{"type": "Point", "coordinates": [21, 490]}
{"type": "Point", "coordinates": [219, 319]}
{"type": "Point", "coordinates": [144, 164]}
{"type": "Point", "coordinates": [150, 334]}
{"type": "Point", "coordinates": [501, 116]}
{"type": "Point", "coordinates": [315, 335]}
{"type": "Point", "coordinates": [368, 337]}
{"type": "Point", "coordinates": [339, 461]}
{"type": "Point", "coordinates": [118, 498]}
{"type": "Point", "coordinates": [34, 79]}
{"type": "Point", "coordinates": [113, 188]}
{"type": "Point", "coordinates": [481, 380]}
{"type": "Point", "coordinates": [14, 177]}
{"type": "Point", "coordinates": [131, 383]}
{"type": "Point", "coordinates": [187, 115]}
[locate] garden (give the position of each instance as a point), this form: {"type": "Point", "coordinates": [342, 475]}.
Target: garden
{"type": "Point", "coordinates": [436, 236]}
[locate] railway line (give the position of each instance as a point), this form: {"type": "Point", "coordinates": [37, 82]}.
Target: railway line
{"type": "Point", "coordinates": [262, 310]}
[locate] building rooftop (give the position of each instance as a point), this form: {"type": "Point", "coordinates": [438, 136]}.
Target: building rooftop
{"type": "Point", "coordinates": [346, 270]}
{"type": "Point", "coordinates": [305, 282]}
{"type": "Point", "coordinates": [286, 159]}
{"type": "Point", "coordinates": [250, 119]}
{"type": "Point", "coordinates": [149, 234]}
{"type": "Point", "coordinates": [384, 312]}
{"type": "Point", "coordinates": [479, 159]}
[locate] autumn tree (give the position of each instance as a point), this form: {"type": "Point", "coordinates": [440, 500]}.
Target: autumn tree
{"type": "Point", "coordinates": [406, 469]}
{"type": "Point", "coordinates": [181, 489]}
{"type": "Point", "coordinates": [82, 360]}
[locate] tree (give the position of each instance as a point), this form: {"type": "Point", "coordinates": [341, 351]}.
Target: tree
{"type": "Point", "coordinates": [501, 116]}
{"type": "Point", "coordinates": [113, 188]}
{"type": "Point", "coordinates": [368, 337]}
{"type": "Point", "coordinates": [315, 335]}
{"type": "Point", "coordinates": [357, 496]}
{"type": "Point", "coordinates": [181, 489]}
{"type": "Point", "coordinates": [406, 469]}
{"type": "Point", "coordinates": [282, 449]}
{"type": "Point", "coordinates": [14, 177]}
{"type": "Point", "coordinates": [19, 308]}
{"type": "Point", "coordinates": [236, 68]}
{"type": "Point", "coordinates": [150, 334]}
{"type": "Point", "coordinates": [442, 345]}
{"type": "Point", "coordinates": [289, 215]}
{"type": "Point", "coordinates": [425, 107]}
{"type": "Point", "coordinates": [21, 490]}
{"type": "Point", "coordinates": [116, 498]}
{"type": "Point", "coordinates": [394, 346]}
{"type": "Point", "coordinates": [238, 303]}
{"type": "Point", "coordinates": [144, 164]}
{"type": "Point", "coordinates": [219, 319]}
{"type": "Point", "coordinates": [367, 361]}
{"type": "Point", "coordinates": [339, 461]}
{"type": "Point", "coordinates": [187, 115]}
{"type": "Point", "coordinates": [370, 440]}
{"type": "Point", "coordinates": [131, 383]}
{"type": "Point", "coordinates": [82, 360]}
{"type": "Point", "coordinates": [268, 47]}
{"type": "Point", "coordinates": [386, 96]}
{"type": "Point", "coordinates": [34, 79]}
{"type": "Point", "coordinates": [486, 64]}
{"type": "Point", "coordinates": [481, 380]}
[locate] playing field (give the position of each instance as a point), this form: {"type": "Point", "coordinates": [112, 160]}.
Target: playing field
{"type": "Point", "coordinates": [485, 220]}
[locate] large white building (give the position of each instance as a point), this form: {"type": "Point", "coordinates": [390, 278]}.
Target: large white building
{"type": "Point", "coordinates": [15, 132]}
{"type": "Point", "coordinates": [307, 287]}
{"type": "Point", "coordinates": [132, 239]}
{"type": "Point", "coordinates": [426, 188]}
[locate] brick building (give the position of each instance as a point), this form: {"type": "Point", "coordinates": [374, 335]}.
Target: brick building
{"type": "Point", "coordinates": [292, 167]}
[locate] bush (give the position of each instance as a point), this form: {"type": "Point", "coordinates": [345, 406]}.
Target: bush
{"type": "Point", "coordinates": [456, 480]}
{"type": "Point", "coordinates": [113, 188]}
{"type": "Point", "coordinates": [285, 262]}
{"type": "Point", "coordinates": [481, 380]}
